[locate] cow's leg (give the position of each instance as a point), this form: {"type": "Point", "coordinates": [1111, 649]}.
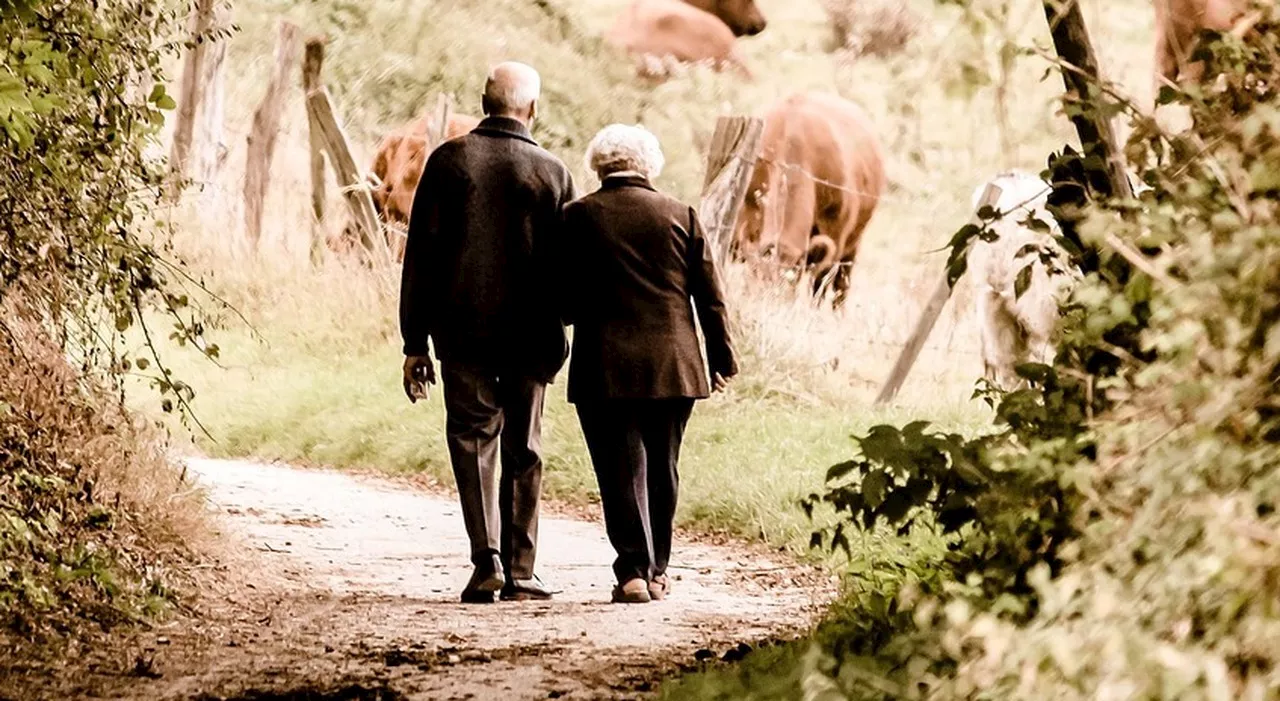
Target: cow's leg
{"type": "Point", "coordinates": [735, 62]}
{"type": "Point", "coordinates": [840, 282]}
{"type": "Point", "coordinates": [1000, 334]}
{"type": "Point", "coordinates": [793, 217]}
{"type": "Point", "coordinates": [843, 228]}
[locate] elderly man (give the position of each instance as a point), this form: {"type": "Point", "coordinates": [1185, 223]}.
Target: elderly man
{"type": "Point", "coordinates": [476, 282]}
{"type": "Point", "coordinates": [637, 267]}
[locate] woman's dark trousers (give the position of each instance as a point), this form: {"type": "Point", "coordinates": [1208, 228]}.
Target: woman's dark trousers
{"type": "Point", "coordinates": [635, 447]}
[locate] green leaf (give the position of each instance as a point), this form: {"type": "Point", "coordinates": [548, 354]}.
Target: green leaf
{"type": "Point", "coordinates": [1022, 281]}
{"type": "Point", "coordinates": [873, 486]}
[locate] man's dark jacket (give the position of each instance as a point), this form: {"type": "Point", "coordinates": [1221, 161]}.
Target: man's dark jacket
{"type": "Point", "coordinates": [478, 264]}
{"type": "Point", "coordinates": [634, 259]}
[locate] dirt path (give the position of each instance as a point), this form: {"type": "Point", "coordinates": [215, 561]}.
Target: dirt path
{"type": "Point", "coordinates": [352, 594]}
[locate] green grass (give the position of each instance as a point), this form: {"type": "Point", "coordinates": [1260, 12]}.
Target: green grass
{"type": "Point", "coordinates": [746, 461]}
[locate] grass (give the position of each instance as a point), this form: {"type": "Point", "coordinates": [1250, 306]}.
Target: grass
{"type": "Point", "coordinates": [747, 459]}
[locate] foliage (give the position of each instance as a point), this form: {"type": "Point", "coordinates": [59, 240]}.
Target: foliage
{"type": "Point", "coordinates": [81, 95]}
{"type": "Point", "coordinates": [85, 494]}
{"type": "Point", "coordinates": [1115, 537]}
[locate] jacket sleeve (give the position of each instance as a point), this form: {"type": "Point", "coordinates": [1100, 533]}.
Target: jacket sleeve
{"type": "Point", "coordinates": [708, 300]}
{"type": "Point", "coordinates": [416, 310]}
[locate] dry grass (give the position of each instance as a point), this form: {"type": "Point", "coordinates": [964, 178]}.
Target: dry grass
{"type": "Point", "coordinates": [99, 525]}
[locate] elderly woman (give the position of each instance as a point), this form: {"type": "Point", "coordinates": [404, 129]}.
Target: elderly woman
{"type": "Point", "coordinates": [638, 267]}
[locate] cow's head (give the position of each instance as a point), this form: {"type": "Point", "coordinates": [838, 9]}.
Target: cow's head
{"type": "Point", "coordinates": [742, 16]}
{"type": "Point", "coordinates": [756, 234]}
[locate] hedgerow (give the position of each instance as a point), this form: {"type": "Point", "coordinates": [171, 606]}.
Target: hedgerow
{"type": "Point", "coordinates": [90, 511]}
{"type": "Point", "coordinates": [1116, 535]}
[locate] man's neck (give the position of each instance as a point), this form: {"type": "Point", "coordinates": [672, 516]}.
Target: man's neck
{"type": "Point", "coordinates": [513, 117]}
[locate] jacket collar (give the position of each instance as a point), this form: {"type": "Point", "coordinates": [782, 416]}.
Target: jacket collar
{"type": "Point", "coordinates": [504, 126]}
{"type": "Point", "coordinates": [617, 180]}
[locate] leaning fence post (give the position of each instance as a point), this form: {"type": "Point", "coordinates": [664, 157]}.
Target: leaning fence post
{"type": "Point", "coordinates": [928, 317]}
{"type": "Point", "coordinates": [730, 162]}
{"type": "Point", "coordinates": [312, 64]}
{"type": "Point", "coordinates": [355, 189]}
{"type": "Point", "coordinates": [262, 136]}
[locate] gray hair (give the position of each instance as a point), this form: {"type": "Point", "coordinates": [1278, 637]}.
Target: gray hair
{"type": "Point", "coordinates": [621, 147]}
{"type": "Point", "coordinates": [511, 87]}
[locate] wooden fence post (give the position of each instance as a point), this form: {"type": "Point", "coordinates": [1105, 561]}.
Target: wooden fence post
{"type": "Point", "coordinates": [355, 189]}
{"type": "Point", "coordinates": [444, 110]}
{"type": "Point", "coordinates": [197, 152]}
{"type": "Point", "coordinates": [312, 65]}
{"type": "Point", "coordinates": [262, 136]}
{"type": "Point", "coordinates": [928, 317]}
{"type": "Point", "coordinates": [1081, 77]}
{"type": "Point", "coordinates": [735, 147]}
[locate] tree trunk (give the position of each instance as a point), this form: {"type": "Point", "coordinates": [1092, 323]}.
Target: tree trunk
{"type": "Point", "coordinates": [1082, 79]}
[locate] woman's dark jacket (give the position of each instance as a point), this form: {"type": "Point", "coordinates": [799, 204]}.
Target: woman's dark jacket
{"type": "Point", "coordinates": [634, 259]}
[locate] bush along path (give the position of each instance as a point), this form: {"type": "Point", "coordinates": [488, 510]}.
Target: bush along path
{"type": "Point", "coordinates": [347, 587]}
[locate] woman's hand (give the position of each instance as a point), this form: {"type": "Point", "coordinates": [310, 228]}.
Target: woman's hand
{"type": "Point", "coordinates": [719, 382]}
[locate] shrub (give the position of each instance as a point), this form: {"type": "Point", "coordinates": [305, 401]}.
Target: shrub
{"type": "Point", "coordinates": [878, 28]}
{"type": "Point", "coordinates": [89, 508]}
{"type": "Point", "coordinates": [1116, 536]}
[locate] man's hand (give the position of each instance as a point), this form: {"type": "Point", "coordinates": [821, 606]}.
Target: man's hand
{"type": "Point", "coordinates": [418, 373]}
{"type": "Point", "coordinates": [719, 382]}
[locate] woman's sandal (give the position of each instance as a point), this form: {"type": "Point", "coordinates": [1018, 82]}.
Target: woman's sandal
{"type": "Point", "coordinates": [659, 587]}
{"type": "Point", "coordinates": [633, 591]}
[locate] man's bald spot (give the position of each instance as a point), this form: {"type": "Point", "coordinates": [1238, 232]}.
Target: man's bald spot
{"type": "Point", "coordinates": [511, 90]}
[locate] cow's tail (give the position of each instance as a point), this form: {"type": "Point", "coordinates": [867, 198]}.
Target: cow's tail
{"type": "Point", "coordinates": [822, 254]}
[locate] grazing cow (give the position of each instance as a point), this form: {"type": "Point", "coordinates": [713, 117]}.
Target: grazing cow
{"type": "Point", "coordinates": [1015, 328]}
{"type": "Point", "coordinates": [658, 32]}
{"type": "Point", "coordinates": [1178, 27]}
{"type": "Point", "coordinates": [398, 163]}
{"type": "Point", "coordinates": [397, 167]}
{"type": "Point", "coordinates": [742, 17]}
{"type": "Point", "coordinates": [815, 187]}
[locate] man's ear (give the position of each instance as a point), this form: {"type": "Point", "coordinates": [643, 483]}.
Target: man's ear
{"type": "Point", "coordinates": [533, 111]}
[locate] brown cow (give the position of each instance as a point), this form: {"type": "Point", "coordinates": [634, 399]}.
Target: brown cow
{"type": "Point", "coordinates": [398, 163]}
{"type": "Point", "coordinates": [1178, 27]}
{"type": "Point", "coordinates": [658, 32]}
{"type": "Point", "coordinates": [742, 17]}
{"type": "Point", "coordinates": [397, 167]}
{"type": "Point", "coordinates": [815, 187]}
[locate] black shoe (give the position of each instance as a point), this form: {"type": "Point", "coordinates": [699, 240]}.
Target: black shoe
{"type": "Point", "coordinates": [485, 580]}
{"type": "Point", "coordinates": [525, 590]}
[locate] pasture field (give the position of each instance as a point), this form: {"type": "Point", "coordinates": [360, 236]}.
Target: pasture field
{"type": "Point", "coordinates": [319, 380]}
{"type": "Point", "coordinates": [311, 373]}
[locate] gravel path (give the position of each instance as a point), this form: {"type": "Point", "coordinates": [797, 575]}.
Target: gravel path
{"type": "Point", "coordinates": [350, 585]}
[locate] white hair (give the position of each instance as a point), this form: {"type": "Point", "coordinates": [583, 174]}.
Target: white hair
{"type": "Point", "coordinates": [621, 147]}
{"type": "Point", "coordinates": [512, 87]}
